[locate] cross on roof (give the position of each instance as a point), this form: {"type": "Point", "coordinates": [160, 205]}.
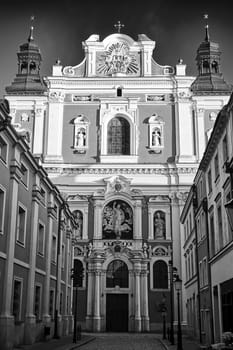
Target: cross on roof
{"type": "Point", "coordinates": [119, 26]}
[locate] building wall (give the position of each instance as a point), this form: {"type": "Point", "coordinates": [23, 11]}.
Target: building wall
{"type": "Point", "coordinates": [25, 255]}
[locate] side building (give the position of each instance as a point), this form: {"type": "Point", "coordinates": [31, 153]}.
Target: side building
{"type": "Point", "coordinates": [36, 229]}
{"type": "Point", "coordinates": [213, 198]}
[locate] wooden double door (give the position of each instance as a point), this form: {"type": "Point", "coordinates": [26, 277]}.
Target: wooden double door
{"type": "Point", "coordinates": [117, 312]}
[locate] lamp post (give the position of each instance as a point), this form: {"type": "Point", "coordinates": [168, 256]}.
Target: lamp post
{"type": "Point", "coordinates": [173, 273]}
{"type": "Point", "coordinates": [178, 286]}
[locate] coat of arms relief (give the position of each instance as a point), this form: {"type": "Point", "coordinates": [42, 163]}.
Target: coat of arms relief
{"type": "Point", "coordinates": [117, 60]}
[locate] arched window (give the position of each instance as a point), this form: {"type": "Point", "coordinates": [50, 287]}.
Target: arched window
{"type": "Point", "coordinates": [24, 67]}
{"type": "Point", "coordinates": [206, 67]}
{"type": "Point", "coordinates": [160, 275]}
{"type": "Point", "coordinates": [214, 66]}
{"type": "Point", "coordinates": [32, 67]}
{"type": "Point", "coordinates": [118, 136]}
{"type": "Point", "coordinates": [117, 275]}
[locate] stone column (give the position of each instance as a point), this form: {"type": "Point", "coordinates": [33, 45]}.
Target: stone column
{"type": "Point", "coordinates": [150, 226]}
{"type": "Point", "coordinates": [6, 318]}
{"type": "Point", "coordinates": [30, 319]}
{"type": "Point", "coordinates": [97, 219]}
{"type": "Point", "coordinates": [89, 317]}
{"type": "Point", "coordinates": [96, 318]}
{"type": "Point", "coordinates": [138, 219]}
{"type": "Point", "coordinates": [137, 323]}
{"type": "Point", "coordinates": [144, 294]}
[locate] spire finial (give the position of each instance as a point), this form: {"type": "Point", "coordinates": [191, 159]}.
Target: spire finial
{"type": "Point", "coordinates": [207, 35]}
{"type": "Point", "coordinates": [119, 26]}
{"type": "Point", "coordinates": [30, 38]}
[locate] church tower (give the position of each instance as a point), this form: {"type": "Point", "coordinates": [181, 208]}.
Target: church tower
{"type": "Point", "coordinates": [210, 91]}
{"type": "Point", "coordinates": [27, 95]}
{"type": "Point", "coordinates": [210, 79]}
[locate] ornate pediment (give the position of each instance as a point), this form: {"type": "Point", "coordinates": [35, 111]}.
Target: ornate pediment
{"type": "Point", "coordinates": [117, 184]}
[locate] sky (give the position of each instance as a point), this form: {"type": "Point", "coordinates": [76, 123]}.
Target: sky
{"type": "Point", "coordinates": [177, 27]}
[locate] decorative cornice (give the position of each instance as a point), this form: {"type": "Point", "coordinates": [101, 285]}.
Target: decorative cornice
{"type": "Point", "coordinates": [117, 171]}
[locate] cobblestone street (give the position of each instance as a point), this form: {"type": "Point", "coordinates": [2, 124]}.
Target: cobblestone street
{"type": "Point", "coordinates": [121, 341]}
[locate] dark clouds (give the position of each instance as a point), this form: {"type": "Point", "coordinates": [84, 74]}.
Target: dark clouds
{"type": "Point", "coordinates": [176, 26]}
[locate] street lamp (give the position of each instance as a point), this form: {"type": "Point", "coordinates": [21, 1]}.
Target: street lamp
{"type": "Point", "coordinates": [173, 273]}
{"type": "Point", "coordinates": [178, 286]}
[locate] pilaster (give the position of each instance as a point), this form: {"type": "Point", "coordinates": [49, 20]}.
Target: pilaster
{"type": "Point", "coordinates": [138, 219]}
{"type": "Point", "coordinates": [55, 127]}
{"type": "Point", "coordinates": [98, 206]}
{"type": "Point", "coordinates": [30, 319]}
{"type": "Point", "coordinates": [137, 318]}
{"type": "Point", "coordinates": [38, 130]}
{"type": "Point", "coordinates": [48, 243]}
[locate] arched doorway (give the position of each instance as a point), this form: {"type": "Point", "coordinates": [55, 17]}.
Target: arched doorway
{"type": "Point", "coordinates": [117, 299]}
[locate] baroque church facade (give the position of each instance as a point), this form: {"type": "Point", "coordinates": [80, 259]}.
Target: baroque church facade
{"type": "Point", "coordinates": [121, 136]}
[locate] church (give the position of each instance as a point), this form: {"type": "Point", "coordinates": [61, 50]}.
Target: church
{"type": "Point", "coordinates": [121, 136]}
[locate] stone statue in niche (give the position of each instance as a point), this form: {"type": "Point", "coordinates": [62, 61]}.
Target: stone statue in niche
{"type": "Point", "coordinates": [156, 137]}
{"type": "Point", "coordinates": [117, 220]}
{"type": "Point", "coordinates": [159, 225]}
{"type": "Point", "coordinates": [79, 222]}
{"type": "Point", "coordinates": [81, 138]}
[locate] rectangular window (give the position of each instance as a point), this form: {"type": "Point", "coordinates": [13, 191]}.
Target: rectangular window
{"type": "Point", "coordinates": [21, 225]}
{"type": "Point", "coordinates": [3, 150]}
{"type": "Point", "coordinates": [216, 166]}
{"type": "Point", "coordinates": [51, 303]}
{"type": "Point", "coordinates": [37, 304]}
{"type": "Point", "coordinates": [212, 235]}
{"type": "Point", "coordinates": [200, 274]}
{"type": "Point", "coordinates": [61, 303]}
{"type": "Point", "coordinates": [40, 239]}
{"type": "Point", "coordinates": [220, 228]}
{"type": "Point", "coordinates": [225, 149]}
{"type": "Point", "coordinates": [2, 208]}
{"type": "Point", "coordinates": [210, 180]}
{"type": "Point", "coordinates": [54, 249]}
{"type": "Point", "coordinates": [17, 299]}
{"type": "Point", "coordinates": [25, 177]}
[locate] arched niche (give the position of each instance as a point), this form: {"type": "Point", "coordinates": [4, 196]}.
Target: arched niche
{"type": "Point", "coordinates": [117, 220]}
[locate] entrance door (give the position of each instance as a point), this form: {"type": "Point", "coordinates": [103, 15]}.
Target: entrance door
{"type": "Point", "coordinates": [117, 312]}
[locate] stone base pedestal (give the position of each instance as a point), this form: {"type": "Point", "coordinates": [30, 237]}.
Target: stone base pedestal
{"type": "Point", "coordinates": [138, 324]}
{"type": "Point", "coordinates": [89, 323]}
{"type": "Point", "coordinates": [145, 324]}
{"type": "Point", "coordinates": [7, 327]}
{"type": "Point", "coordinates": [96, 324]}
{"type": "Point", "coordinates": [65, 321]}
{"type": "Point", "coordinates": [30, 329]}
